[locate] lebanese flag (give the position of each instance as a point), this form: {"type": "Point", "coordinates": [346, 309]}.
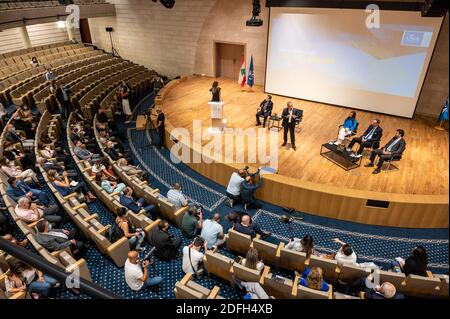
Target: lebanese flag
{"type": "Point", "coordinates": [242, 77]}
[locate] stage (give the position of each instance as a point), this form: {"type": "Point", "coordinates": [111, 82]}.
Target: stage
{"type": "Point", "coordinates": [422, 178]}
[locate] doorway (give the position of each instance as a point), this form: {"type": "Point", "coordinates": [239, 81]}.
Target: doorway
{"type": "Point", "coordinates": [85, 32]}
{"type": "Point", "coordinates": [228, 59]}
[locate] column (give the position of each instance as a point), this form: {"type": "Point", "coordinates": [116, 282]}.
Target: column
{"type": "Point", "coordinates": [25, 37]}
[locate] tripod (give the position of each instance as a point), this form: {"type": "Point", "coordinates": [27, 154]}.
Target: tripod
{"type": "Point", "coordinates": [113, 50]}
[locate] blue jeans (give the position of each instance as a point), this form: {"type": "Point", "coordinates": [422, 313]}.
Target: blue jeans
{"type": "Point", "coordinates": [42, 288]}
{"type": "Point", "coordinates": [151, 282]}
{"type": "Point", "coordinates": [41, 196]}
{"type": "Point", "coordinates": [150, 209]}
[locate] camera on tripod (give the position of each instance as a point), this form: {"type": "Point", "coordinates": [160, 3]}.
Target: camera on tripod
{"type": "Point", "coordinates": [148, 257]}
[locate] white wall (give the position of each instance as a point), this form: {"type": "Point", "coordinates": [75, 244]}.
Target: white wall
{"type": "Point", "coordinates": [48, 33]}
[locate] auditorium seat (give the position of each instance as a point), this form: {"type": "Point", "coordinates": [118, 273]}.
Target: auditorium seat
{"type": "Point", "coordinates": [268, 252]}
{"type": "Point", "coordinates": [278, 287]}
{"type": "Point", "coordinates": [301, 292]}
{"type": "Point", "coordinates": [419, 286]}
{"type": "Point", "coordinates": [218, 265]}
{"type": "Point", "coordinates": [349, 273]}
{"type": "Point", "coordinates": [328, 266]}
{"type": "Point", "coordinates": [292, 260]}
{"type": "Point", "coordinates": [238, 242]}
{"type": "Point", "coordinates": [186, 288]}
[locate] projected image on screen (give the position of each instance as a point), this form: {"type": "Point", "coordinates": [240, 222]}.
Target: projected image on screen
{"type": "Point", "coordinates": [330, 56]}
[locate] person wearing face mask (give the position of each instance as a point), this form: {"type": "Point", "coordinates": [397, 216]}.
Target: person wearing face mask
{"type": "Point", "coordinates": [15, 136]}
{"type": "Point", "coordinates": [176, 197]}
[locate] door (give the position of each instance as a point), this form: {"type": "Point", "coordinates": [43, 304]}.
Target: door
{"type": "Point", "coordinates": [228, 60]}
{"type": "Point", "coordinates": [85, 32]}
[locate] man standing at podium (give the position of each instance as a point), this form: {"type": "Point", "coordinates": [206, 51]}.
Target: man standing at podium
{"type": "Point", "coordinates": [289, 116]}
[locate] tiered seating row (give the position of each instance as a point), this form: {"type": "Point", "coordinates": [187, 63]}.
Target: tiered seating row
{"type": "Point", "coordinates": [139, 220]}
{"type": "Point", "coordinates": [17, 64]}
{"type": "Point", "coordinates": [14, 5]}
{"type": "Point", "coordinates": [24, 93]}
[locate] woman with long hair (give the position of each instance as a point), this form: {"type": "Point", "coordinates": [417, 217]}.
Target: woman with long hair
{"type": "Point", "coordinates": [252, 261]}
{"type": "Point", "coordinates": [313, 278]}
{"type": "Point", "coordinates": [215, 91]}
{"type": "Point", "coordinates": [135, 235]}
{"type": "Point", "coordinates": [64, 186]}
{"type": "Point", "coordinates": [417, 263]}
{"type": "Point", "coordinates": [304, 245]}
{"type": "Point", "coordinates": [348, 128]}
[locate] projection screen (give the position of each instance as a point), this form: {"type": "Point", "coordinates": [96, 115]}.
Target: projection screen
{"type": "Point", "coordinates": [330, 56]}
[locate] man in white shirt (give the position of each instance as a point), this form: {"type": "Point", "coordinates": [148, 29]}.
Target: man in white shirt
{"type": "Point", "coordinates": [212, 232]}
{"type": "Point", "coordinates": [176, 197]}
{"type": "Point", "coordinates": [345, 254]}
{"type": "Point", "coordinates": [192, 257]}
{"type": "Point", "coordinates": [136, 274]}
{"type": "Point", "coordinates": [234, 187]}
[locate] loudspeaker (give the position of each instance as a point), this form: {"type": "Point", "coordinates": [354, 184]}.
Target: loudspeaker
{"type": "Point", "coordinates": [168, 3]}
{"type": "Point", "coordinates": [109, 29]}
{"type": "Point", "coordinates": [434, 8]}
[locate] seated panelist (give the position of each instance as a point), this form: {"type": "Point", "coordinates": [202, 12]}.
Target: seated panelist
{"type": "Point", "coordinates": [372, 135]}
{"type": "Point", "coordinates": [265, 109]}
{"type": "Point", "coordinates": [395, 146]}
{"type": "Point", "coordinates": [348, 128]}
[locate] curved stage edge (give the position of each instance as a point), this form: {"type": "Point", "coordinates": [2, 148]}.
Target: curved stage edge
{"type": "Point", "coordinates": [404, 210]}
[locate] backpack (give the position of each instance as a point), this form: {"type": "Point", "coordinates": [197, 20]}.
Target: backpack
{"type": "Point", "coordinates": [114, 233]}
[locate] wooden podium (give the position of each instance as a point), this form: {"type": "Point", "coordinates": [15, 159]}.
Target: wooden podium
{"type": "Point", "coordinates": [216, 117]}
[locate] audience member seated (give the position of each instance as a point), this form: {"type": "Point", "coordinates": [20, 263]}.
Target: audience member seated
{"type": "Point", "coordinates": [14, 240]}
{"type": "Point", "coordinates": [212, 232]}
{"type": "Point", "coordinates": [34, 62]}
{"type": "Point", "coordinates": [109, 168]}
{"type": "Point", "coordinates": [132, 170]}
{"type": "Point", "coordinates": [313, 278]}
{"type": "Point", "coordinates": [58, 239]}
{"type": "Point", "coordinates": [113, 153]}
{"type": "Point", "coordinates": [134, 235]}
{"type": "Point", "coordinates": [371, 136]}
{"type": "Point", "coordinates": [22, 277]}
{"type": "Point", "coordinates": [5, 227]}
{"type": "Point", "coordinates": [107, 185]}
{"type": "Point", "coordinates": [252, 260]}
{"type": "Point", "coordinates": [15, 171]}
{"type": "Point", "coordinates": [13, 154]}
{"type": "Point", "coordinates": [48, 153]}
{"type": "Point", "coordinates": [30, 212]}
{"type": "Point", "coordinates": [253, 289]}
{"type": "Point", "coordinates": [265, 110]}
{"type": "Point", "coordinates": [17, 188]}
{"type": "Point", "coordinates": [166, 245]}
{"type": "Point", "coordinates": [234, 217]}
{"type": "Point", "coordinates": [83, 154]}
{"type": "Point", "coordinates": [366, 285]}
{"type": "Point", "coordinates": [234, 187]}
{"type": "Point", "coordinates": [248, 228]}
{"type": "Point", "coordinates": [15, 136]}
{"type": "Point", "coordinates": [304, 245]}
{"type": "Point", "coordinates": [248, 189]}
{"type": "Point", "coordinates": [24, 120]}
{"type": "Point", "coordinates": [193, 257]}
{"type": "Point", "coordinates": [348, 128]}
{"type": "Point", "coordinates": [385, 291]}
{"type": "Point", "coordinates": [192, 222]}
{"type": "Point", "coordinates": [345, 254]}
{"type": "Point", "coordinates": [48, 165]}
{"type": "Point", "coordinates": [137, 274]}
{"type": "Point", "coordinates": [127, 200]}
{"type": "Point", "coordinates": [416, 264]}
{"type": "Point", "coordinates": [395, 146]}
{"type": "Point", "coordinates": [65, 187]}
{"type": "Point", "coordinates": [175, 196]}
{"type": "Point", "coordinates": [98, 167]}
{"type": "Point", "coordinates": [78, 134]}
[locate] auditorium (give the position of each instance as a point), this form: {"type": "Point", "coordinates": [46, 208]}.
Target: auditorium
{"type": "Point", "coordinates": [224, 149]}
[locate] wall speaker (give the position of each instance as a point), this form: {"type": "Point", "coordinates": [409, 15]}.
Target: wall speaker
{"type": "Point", "coordinates": [434, 8]}
{"type": "Point", "coordinates": [109, 29]}
{"type": "Point", "coordinates": [168, 3]}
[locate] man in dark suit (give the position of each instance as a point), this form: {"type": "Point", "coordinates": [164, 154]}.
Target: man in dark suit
{"type": "Point", "coordinates": [265, 109]}
{"type": "Point", "coordinates": [395, 146]}
{"type": "Point", "coordinates": [371, 136]}
{"type": "Point", "coordinates": [289, 116]}
{"type": "Point", "coordinates": [126, 199]}
{"type": "Point", "coordinates": [166, 245]}
{"type": "Point", "coordinates": [57, 239]}
{"type": "Point", "coordinates": [63, 96]}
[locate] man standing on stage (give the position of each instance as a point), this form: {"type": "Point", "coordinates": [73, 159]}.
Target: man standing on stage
{"type": "Point", "coordinates": [290, 115]}
{"type": "Point", "coordinates": [265, 109]}
{"type": "Point", "coordinates": [160, 127]}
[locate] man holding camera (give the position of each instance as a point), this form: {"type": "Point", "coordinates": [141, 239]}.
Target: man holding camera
{"type": "Point", "coordinates": [166, 244]}
{"type": "Point", "coordinates": [136, 273]}
{"type": "Point", "coordinates": [248, 188]}
{"type": "Point", "coordinates": [192, 222]}
{"type": "Point", "coordinates": [193, 256]}
{"type": "Point", "coordinates": [234, 186]}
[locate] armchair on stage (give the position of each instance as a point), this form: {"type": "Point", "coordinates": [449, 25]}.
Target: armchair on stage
{"type": "Point", "coordinates": [217, 121]}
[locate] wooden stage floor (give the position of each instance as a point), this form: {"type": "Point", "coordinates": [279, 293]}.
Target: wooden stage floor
{"type": "Point", "coordinates": [423, 170]}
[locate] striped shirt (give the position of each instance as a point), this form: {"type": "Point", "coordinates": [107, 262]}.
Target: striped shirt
{"type": "Point", "coordinates": [176, 198]}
